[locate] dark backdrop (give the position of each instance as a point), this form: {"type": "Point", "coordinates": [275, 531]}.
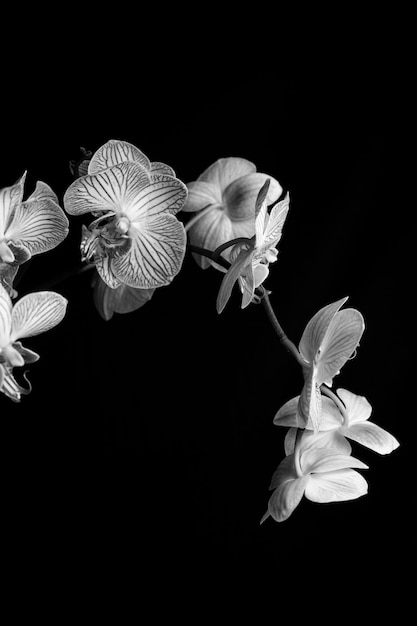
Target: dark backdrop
{"type": "Point", "coordinates": [147, 442]}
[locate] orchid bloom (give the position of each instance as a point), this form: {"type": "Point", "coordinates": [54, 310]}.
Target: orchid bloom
{"type": "Point", "coordinates": [319, 474]}
{"type": "Point", "coordinates": [123, 299]}
{"type": "Point", "coordinates": [33, 314]}
{"type": "Point", "coordinates": [328, 341]}
{"type": "Point", "coordinates": [28, 227]}
{"type": "Point", "coordinates": [223, 199]}
{"type": "Point", "coordinates": [250, 260]}
{"type": "Point", "coordinates": [349, 418]}
{"type": "Point", "coordinates": [136, 239]}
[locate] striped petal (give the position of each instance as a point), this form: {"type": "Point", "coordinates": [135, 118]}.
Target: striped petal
{"type": "Point", "coordinates": [336, 486]}
{"type": "Point", "coordinates": [156, 253]}
{"type": "Point", "coordinates": [224, 171]}
{"type": "Point", "coordinates": [241, 195]}
{"type": "Point", "coordinates": [273, 231]}
{"type": "Point", "coordinates": [113, 190]}
{"type": "Point", "coordinates": [164, 194]}
{"type": "Point", "coordinates": [340, 342]}
{"type": "Point", "coordinates": [39, 225]}
{"type": "Point", "coordinates": [202, 195]}
{"type": "Point", "coordinates": [42, 191]}
{"type": "Point", "coordinates": [114, 152]}
{"type": "Point", "coordinates": [5, 317]}
{"type": "Point", "coordinates": [160, 168]}
{"type": "Point", "coordinates": [316, 329]}
{"type": "Point", "coordinates": [238, 266]}
{"type": "Point", "coordinates": [123, 299]}
{"type": "Point", "coordinates": [7, 275]}
{"type": "Point", "coordinates": [106, 273]}
{"type": "Point", "coordinates": [36, 313]}
{"type": "Point", "coordinates": [10, 198]}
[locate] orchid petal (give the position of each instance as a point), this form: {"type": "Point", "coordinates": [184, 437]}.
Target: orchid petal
{"type": "Point", "coordinates": [10, 198]}
{"type": "Point", "coordinates": [6, 254]}
{"type": "Point", "coordinates": [340, 342]}
{"type": "Point", "coordinates": [247, 283]}
{"type": "Point", "coordinates": [43, 191]}
{"type": "Point", "coordinates": [316, 329]}
{"type": "Point", "coordinates": [163, 194]}
{"type": "Point", "coordinates": [105, 271]}
{"type": "Point", "coordinates": [36, 313]}
{"type": "Point", "coordinates": [160, 168]}
{"type": "Point", "coordinates": [123, 299]}
{"type": "Point", "coordinates": [287, 414]}
{"type": "Point", "coordinates": [326, 439]}
{"type": "Point", "coordinates": [5, 316]}
{"type": "Point", "coordinates": [274, 226]}
{"type": "Point", "coordinates": [284, 472]}
{"type": "Point", "coordinates": [156, 253]}
{"type": "Point", "coordinates": [310, 401]}
{"type": "Point", "coordinates": [28, 355]}
{"type": "Point", "coordinates": [40, 225]}
{"type": "Point", "coordinates": [290, 440]}
{"type": "Point", "coordinates": [10, 387]}
{"type": "Point", "coordinates": [231, 276]}
{"type": "Point", "coordinates": [286, 498]}
{"type": "Point", "coordinates": [202, 195]}
{"type": "Point", "coordinates": [242, 196]}
{"type": "Point", "coordinates": [260, 274]}
{"type": "Point", "coordinates": [114, 152]}
{"type": "Point", "coordinates": [7, 275]}
{"type": "Point", "coordinates": [371, 436]}
{"type": "Point", "coordinates": [209, 232]}
{"type": "Point", "coordinates": [357, 407]}
{"type": "Point", "coordinates": [336, 486]}
{"type": "Point", "coordinates": [318, 460]}
{"type": "Point", "coordinates": [112, 190]}
{"type": "Point", "coordinates": [226, 170]}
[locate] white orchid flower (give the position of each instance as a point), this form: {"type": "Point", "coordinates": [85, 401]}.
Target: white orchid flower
{"type": "Point", "coordinates": [29, 227]}
{"type": "Point", "coordinates": [33, 314]}
{"type": "Point", "coordinates": [136, 240]}
{"type": "Point", "coordinates": [328, 341]}
{"type": "Point", "coordinates": [250, 260]}
{"type": "Point", "coordinates": [319, 474]}
{"type": "Point", "coordinates": [223, 198]}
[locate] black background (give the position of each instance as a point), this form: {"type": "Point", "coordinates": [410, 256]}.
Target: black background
{"type": "Point", "coordinates": [147, 445]}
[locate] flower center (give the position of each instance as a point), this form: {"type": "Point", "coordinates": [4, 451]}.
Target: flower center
{"type": "Point", "coordinates": [122, 225]}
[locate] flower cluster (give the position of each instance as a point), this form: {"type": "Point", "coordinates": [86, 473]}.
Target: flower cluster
{"type": "Point", "coordinates": [318, 462]}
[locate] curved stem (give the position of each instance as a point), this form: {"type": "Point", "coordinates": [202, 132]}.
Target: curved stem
{"type": "Point", "coordinates": [209, 254]}
{"type": "Point", "coordinates": [287, 343]}
{"type": "Point", "coordinates": [217, 252]}
{"type": "Point", "coordinates": [330, 394]}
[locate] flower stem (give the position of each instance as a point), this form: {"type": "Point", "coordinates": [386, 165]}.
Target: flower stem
{"type": "Point", "coordinates": [209, 254]}
{"type": "Point", "coordinates": [287, 343]}
{"type": "Point", "coordinates": [330, 394]}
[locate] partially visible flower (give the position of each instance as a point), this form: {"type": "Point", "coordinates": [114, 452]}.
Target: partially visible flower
{"type": "Point", "coordinates": [319, 474]}
{"type": "Point", "coordinates": [136, 239]}
{"type": "Point", "coordinates": [349, 420]}
{"type": "Point", "coordinates": [9, 385]}
{"type": "Point", "coordinates": [250, 260]}
{"type": "Point", "coordinates": [33, 314]}
{"type": "Point", "coordinates": [29, 227]}
{"type": "Point", "coordinates": [328, 341]}
{"type": "Point", "coordinates": [122, 299]}
{"type": "Point", "coordinates": [223, 198]}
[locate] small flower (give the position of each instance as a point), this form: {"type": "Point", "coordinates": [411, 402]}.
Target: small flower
{"type": "Point", "coordinates": [349, 420]}
{"type": "Point", "coordinates": [30, 227]}
{"type": "Point", "coordinates": [320, 474]}
{"type": "Point", "coordinates": [223, 198]}
{"type": "Point", "coordinates": [33, 314]}
{"type": "Point", "coordinates": [250, 260]}
{"type": "Point", "coordinates": [329, 340]}
{"type": "Point", "coordinates": [122, 299]}
{"type": "Point", "coordinates": [136, 239]}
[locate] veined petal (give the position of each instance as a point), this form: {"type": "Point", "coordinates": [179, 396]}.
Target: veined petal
{"type": "Point", "coordinates": [326, 439]}
{"type": "Point", "coordinates": [340, 342]}
{"type": "Point", "coordinates": [123, 299]}
{"type": "Point", "coordinates": [357, 407]}
{"type": "Point", "coordinates": [286, 498]}
{"type": "Point", "coordinates": [274, 226]}
{"type": "Point", "coordinates": [7, 275]}
{"type": "Point", "coordinates": [243, 259]}
{"type": "Point", "coordinates": [202, 195]}
{"type": "Point", "coordinates": [241, 195]}
{"type": "Point", "coordinates": [40, 225]}
{"type": "Point", "coordinates": [315, 460]}
{"type": "Point", "coordinates": [371, 436]}
{"type": "Point", "coordinates": [10, 198]}
{"type": "Point", "coordinates": [114, 152]}
{"type": "Point", "coordinates": [224, 171]}
{"type": "Point", "coordinates": [209, 232]}
{"type": "Point", "coordinates": [36, 313]}
{"type": "Point", "coordinates": [42, 191]}
{"type": "Point", "coordinates": [337, 486]}
{"type": "Point", "coordinates": [156, 253]}
{"type": "Point", "coordinates": [114, 190]}
{"type": "Point", "coordinates": [160, 168]}
{"type": "Point", "coordinates": [10, 387]}
{"type": "Point", "coordinates": [287, 414]}
{"type": "Point", "coordinates": [164, 194]}
{"type": "Point", "coordinates": [5, 317]}
{"type": "Point", "coordinates": [316, 329]}
{"type": "Point", "coordinates": [104, 269]}
{"type": "Point", "coordinates": [310, 402]}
